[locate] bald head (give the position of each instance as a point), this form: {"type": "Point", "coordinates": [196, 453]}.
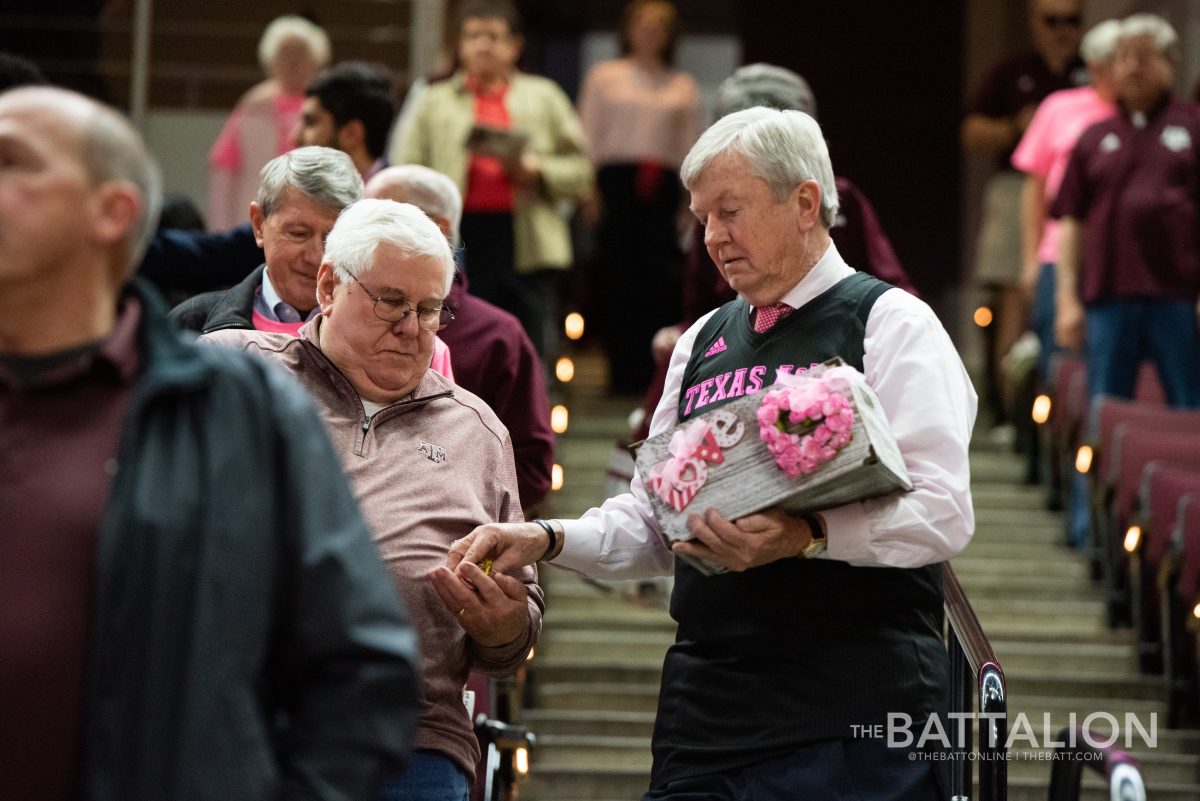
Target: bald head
{"type": "Point", "coordinates": [429, 190]}
{"type": "Point", "coordinates": [56, 127]}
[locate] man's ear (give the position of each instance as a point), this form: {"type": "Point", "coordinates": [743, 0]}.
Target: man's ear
{"type": "Point", "coordinates": [118, 205]}
{"type": "Point", "coordinates": [327, 281]}
{"type": "Point", "coordinates": [807, 201]}
{"type": "Point", "coordinates": [256, 222]}
{"type": "Point", "coordinates": [352, 137]}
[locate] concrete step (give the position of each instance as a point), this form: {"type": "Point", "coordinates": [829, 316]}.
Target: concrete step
{"type": "Point", "coordinates": [597, 723]}
{"type": "Point", "coordinates": [977, 566]}
{"type": "Point", "coordinates": [584, 783]}
{"type": "Point", "coordinates": [1074, 659]}
{"type": "Point", "coordinates": [570, 750]}
{"type": "Point", "coordinates": [595, 695]}
{"type": "Point", "coordinates": [1124, 686]}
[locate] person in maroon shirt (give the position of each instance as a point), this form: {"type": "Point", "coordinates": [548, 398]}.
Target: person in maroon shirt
{"type": "Point", "coordinates": [1128, 271]}
{"type": "Point", "coordinates": [191, 606]}
{"type": "Point", "coordinates": [491, 353]}
{"type": "Point", "coordinates": [1129, 264]}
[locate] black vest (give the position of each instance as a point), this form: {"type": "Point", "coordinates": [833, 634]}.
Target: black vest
{"type": "Point", "coordinates": [799, 650]}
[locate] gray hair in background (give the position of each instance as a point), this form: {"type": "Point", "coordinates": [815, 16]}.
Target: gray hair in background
{"type": "Point", "coordinates": [764, 85]}
{"type": "Point", "coordinates": [288, 27]}
{"type": "Point", "coordinates": [429, 190]}
{"type": "Point", "coordinates": [114, 151]}
{"type": "Point", "coordinates": [1099, 45]}
{"type": "Point", "coordinates": [365, 225]}
{"type": "Point", "coordinates": [326, 175]}
{"type": "Point", "coordinates": [1165, 37]}
{"type": "Point", "coordinates": [784, 148]}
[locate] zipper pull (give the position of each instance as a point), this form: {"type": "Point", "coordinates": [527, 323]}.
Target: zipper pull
{"type": "Point", "coordinates": [366, 424]}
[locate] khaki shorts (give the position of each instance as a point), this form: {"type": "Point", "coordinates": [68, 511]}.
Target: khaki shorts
{"type": "Point", "coordinates": [998, 253]}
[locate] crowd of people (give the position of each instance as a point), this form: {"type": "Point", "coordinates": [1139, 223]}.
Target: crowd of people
{"type": "Point", "coordinates": [1100, 211]}
{"type": "Point", "coordinates": [256, 543]}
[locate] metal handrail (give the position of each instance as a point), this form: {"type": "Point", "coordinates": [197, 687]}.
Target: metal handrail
{"type": "Point", "coordinates": [1121, 771]}
{"type": "Point", "coordinates": [975, 676]}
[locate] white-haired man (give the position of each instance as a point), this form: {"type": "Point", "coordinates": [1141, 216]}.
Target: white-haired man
{"type": "Point", "coordinates": [1129, 252]}
{"type": "Point", "coordinates": [165, 633]}
{"type": "Point", "coordinates": [777, 661]}
{"type": "Point", "coordinates": [493, 356]}
{"type": "Point", "coordinates": [426, 459]}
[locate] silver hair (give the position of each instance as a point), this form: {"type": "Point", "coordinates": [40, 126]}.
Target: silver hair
{"type": "Point", "coordinates": [764, 85]}
{"type": "Point", "coordinates": [114, 151]}
{"type": "Point", "coordinates": [288, 27]}
{"type": "Point", "coordinates": [1099, 45]}
{"type": "Point", "coordinates": [783, 148]}
{"type": "Point", "coordinates": [1165, 37]}
{"type": "Point", "coordinates": [365, 225]}
{"type": "Point", "coordinates": [429, 190]}
{"type": "Point", "coordinates": [326, 175]}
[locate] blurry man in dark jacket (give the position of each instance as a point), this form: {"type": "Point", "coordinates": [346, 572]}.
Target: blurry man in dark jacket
{"type": "Point", "coordinates": [190, 605]}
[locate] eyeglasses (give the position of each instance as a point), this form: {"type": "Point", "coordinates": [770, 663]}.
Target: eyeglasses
{"type": "Point", "coordinates": [1062, 20]}
{"type": "Point", "coordinates": [393, 311]}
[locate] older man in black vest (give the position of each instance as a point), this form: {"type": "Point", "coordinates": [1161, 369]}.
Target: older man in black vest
{"type": "Point", "coordinates": [824, 623]}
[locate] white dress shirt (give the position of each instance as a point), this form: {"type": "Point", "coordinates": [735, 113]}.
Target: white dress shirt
{"type": "Point", "coordinates": [930, 403]}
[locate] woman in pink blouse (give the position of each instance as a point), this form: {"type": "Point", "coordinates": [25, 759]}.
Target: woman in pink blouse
{"type": "Point", "coordinates": [292, 51]}
{"type": "Point", "coordinates": [641, 116]}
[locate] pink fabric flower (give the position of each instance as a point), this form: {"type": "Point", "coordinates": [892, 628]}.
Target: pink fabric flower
{"type": "Point", "coordinates": [817, 407]}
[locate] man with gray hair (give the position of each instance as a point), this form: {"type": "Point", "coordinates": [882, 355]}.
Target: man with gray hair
{"type": "Point", "coordinates": [426, 459]}
{"type": "Point", "coordinates": [493, 356]}
{"type": "Point", "coordinates": [163, 632]}
{"type": "Point", "coordinates": [1129, 253]}
{"type": "Point", "coordinates": [824, 622]}
{"type": "Point", "coordinates": [300, 196]}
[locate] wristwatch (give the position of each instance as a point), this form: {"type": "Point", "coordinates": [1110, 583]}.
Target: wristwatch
{"type": "Point", "coordinates": [816, 546]}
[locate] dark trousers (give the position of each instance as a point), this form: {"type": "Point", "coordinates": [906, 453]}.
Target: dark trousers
{"type": "Point", "coordinates": [638, 279]}
{"type": "Point", "coordinates": [834, 770]}
{"type": "Point", "coordinates": [532, 297]}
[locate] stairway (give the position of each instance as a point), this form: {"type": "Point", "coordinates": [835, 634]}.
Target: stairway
{"type": "Point", "coordinates": [593, 685]}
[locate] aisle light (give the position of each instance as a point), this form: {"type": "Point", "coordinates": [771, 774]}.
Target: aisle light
{"type": "Point", "coordinates": [1133, 538]}
{"type": "Point", "coordinates": [573, 325]}
{"type": "Point", "coordinates": [559, 418]}
{"type": "Point", "coordinates": [1196, 612]}
{"type": "Point", "coordinates": [564, 369]}
{"type": "Point", "coordinates": [1083, 458]}
{"type": "Point", "coordinates": [521, 760]}
{"type": "Point", "coordinates": [556, 478]}
{"type": "Point", "coordinates": [1041, 409]}
{"type": "Point", "coordinates": [983, 317]}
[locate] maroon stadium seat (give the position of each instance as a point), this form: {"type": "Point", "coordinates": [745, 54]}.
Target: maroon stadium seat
{"type": "Point", "coordinates": [1163, 486]}
{"type": "Point", "coordinates": [1183, 683]}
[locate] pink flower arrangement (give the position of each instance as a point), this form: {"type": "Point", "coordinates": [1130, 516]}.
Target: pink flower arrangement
{"type": "Point", "coordinates": [805, 420]}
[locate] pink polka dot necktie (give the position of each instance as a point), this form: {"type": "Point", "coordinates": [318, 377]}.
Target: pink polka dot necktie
{"type": "Point", "coordinates": [765, 317]}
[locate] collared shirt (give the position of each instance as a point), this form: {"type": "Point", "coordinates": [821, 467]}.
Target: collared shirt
{"type": "Point", "coordinates": [1046, 147]}
{"type": "Point", "coordinates": [268, 303]}
{"type": "Point", "coordinates": [1134, 181]}
{"type": "Point", "coordinates": [60, 420]}
{"type": "Point", "coordinates": [924, 389]}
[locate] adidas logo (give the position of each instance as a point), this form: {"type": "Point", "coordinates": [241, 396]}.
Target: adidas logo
{"type": "Point", "coordinates": [718, 347]}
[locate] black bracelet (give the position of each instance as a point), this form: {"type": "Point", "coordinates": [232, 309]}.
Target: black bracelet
{"type": "Point", "coordinates": [549, 533]}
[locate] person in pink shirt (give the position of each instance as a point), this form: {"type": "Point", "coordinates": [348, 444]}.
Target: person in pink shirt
{"type": "Point", "coordinates": [1043, 154]}
{"type": "Point", "coordinates": [291, 51]}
